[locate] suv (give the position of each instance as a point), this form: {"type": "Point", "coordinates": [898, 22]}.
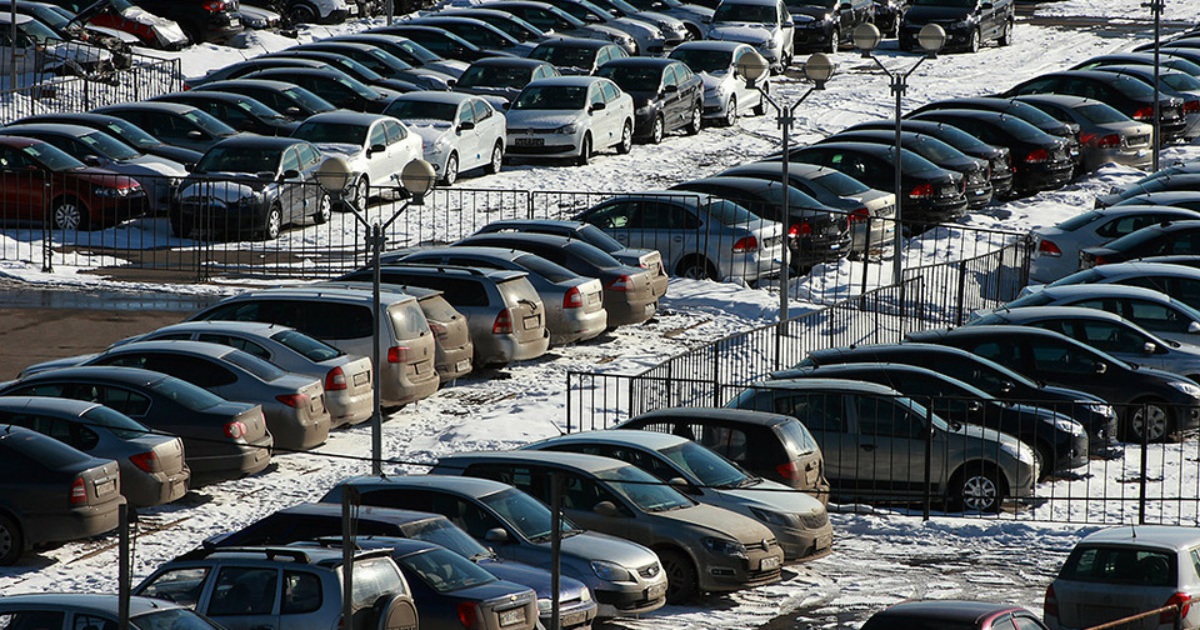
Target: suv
{"type": "Point", "coordinates": [342, 318]}
{"type": "Point", "coordinates": [201, 20]}
{"type": "Point", "coordinates": [277, 587]}
{"type": "Point", "coordinates": [61, 611]}
{"type": "Point", "coordinates": [976, 469]}
{"type": "Point", "coordinates": [968, 24]}
{"type": "Point", "coordinates": [823, 26]}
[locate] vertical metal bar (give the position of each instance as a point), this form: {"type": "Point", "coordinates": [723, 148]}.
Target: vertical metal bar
{"type": "Point", "coordinates": [126, 562]}
{"type": "Point", "coordinates": [898, 85]}
{"type": "Point", "coordinates": [1144, 464]}
{"type": "Point", "coordinates": [349, 500]}
{"type": "Point", "coordinates": [556, 491]}
{"type": "Point", "coordinates": [1156, 7]}
{"type": "Point", "coordinates": [785, 125]}
{"type": "Point", "coordinates": [376, 358]}
{"type": "Point", "coordinates": [928, 459]}
{"type": "Point", "coordinates": [962, 291]}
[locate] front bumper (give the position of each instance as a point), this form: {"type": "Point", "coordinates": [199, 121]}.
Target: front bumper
{"type": "Point", "coordinates": [813, 39]}
{"type": "Point", "coordinates": [728, 573]}
{"type": "Point", "coordinates": [957, 39]}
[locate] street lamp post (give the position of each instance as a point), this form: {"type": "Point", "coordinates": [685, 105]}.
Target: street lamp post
{"type": "Point", "coordinates": [931, 38]}
{"type": "Point", "coordinates": [753, 67]}
{"type": "Point", "coordinates": [335, 177]}
{"type": "Point", "coordinates": [1156, 9]}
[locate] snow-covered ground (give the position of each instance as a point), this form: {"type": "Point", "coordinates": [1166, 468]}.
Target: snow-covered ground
{"type": "Point", "coordinates": [879, 558]}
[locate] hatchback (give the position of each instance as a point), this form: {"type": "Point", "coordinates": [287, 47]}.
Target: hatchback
{"type": "Point", "coordinates": [376, 147]}
{"type": "Point", "coordinates": [152, 466]}
{"type": "Point", "coordinates": [1157, 312]}
{"type": "Point", "coordinates": [222, 440]}
{"type": "Point", "coordinates": [51, 493]}
{"type": "Point", "coordinates": [288, 99]}
{"type": "Point", "coordinates": [947, 614]}
{"type": "Point", "coordinates": [1105, 134]}
{"type": "Point", "coordinates": [667, 95]}
{"type": "Point", "coordinates": [1122, 571]}
{"type": "Point", "coordinates": [457, 132]}
{"type": "Point", "coordinates": [176, 124]}
{"type": "Point", "coordinates": [726, 94]}
{"type": "Point", "coordinates": [823, 27]}
{"type": "Point", "coordinates": [570, 117]}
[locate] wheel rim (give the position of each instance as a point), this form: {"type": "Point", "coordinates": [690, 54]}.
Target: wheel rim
{"type": "Point", "coordinates": [301, 15]}
{"type": "Point", "coordinates": [324, 208]}
{"type": "Point", "coordinates": [497, 158]}
{"type": "Point", "coordinates": [697, 118]}
{"type": "Point", "coordinates": [274, 219]}
{"type": "Point", "coordinates": [6, 541]}
{"type": "Point", "coordinates": [677, 578]}
{"type": "Point", "coordinates": [626, 138]}
{"type": "Point", "coordinates": [67, 215]}
{"type": "Point", "coordinates": [835, 40]}
{"type": "Point", "coordinates": [1151, 419]}
{"type": "Point", "coordinates": [975, 41]}
{"type": "Point", "coordinates": [732, 114]}
{"type": "Point", "coordinates": [451, 170]}
{"type": "Point", "coordinates": [657, 134]}
{"type": "Point", "coordinates": [979, 493]}
{"type": "Point", "coordinates": [362, 192]}
{"type": "Point", "coordinates": [695, 271]}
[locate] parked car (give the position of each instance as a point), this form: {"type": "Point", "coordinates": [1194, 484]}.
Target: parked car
{"type": "Point", "coordinates": [974, 469]}
{"type": "Point", "coordinates": [555, 21]}
{"type": "Point", "coordinates": [173, 123]}
{"type": "Point", "coordinates": [478, 32]}
{"type": "Point", "coordinates": [888, 16]}
{"type": "Point", "coordinates": [585, 114]}
{"type": "Point", "coordinates": [50, 493]}
{"type": "Point", "coordinates": [798, 521]}
{"type": "Point", "coordinates": [766, 25]}
{"type": "Point", "coordinates": [968, 24]}
{"type": "Point", "coordinates": [1123, 571]}
{"type": "Point", "coordinates": [334, 86]}
{"type": "Point", "coordinates": [702, 548]}
{"type": "Point", "coordinates": [508, 23]}
{"type": "Point", "coordinates": [380, 61]}
{"type": "Point", "coordinates": [51, 611]}
{"type": "Point", "coordinates": [1165, 60]}
{"type": "Point", "coordinates": [1059, 246]}
{"type": "Point", "coordinates": [242, 588]}
{"type": "Point", "coordinates": [376, 147]}
{"type": "Point", "coordinates": [152, 468]}
{"type": "Point", "coordinates": [1189, 199]}
{"type": "Point", "coordinates": [406, 50]}
{"type": "Point", "coordinates": [1177, 281]}
{"type": "Point", "coordinates": [79, 197]}
{"type": "Point", "coordinates": [822, 26]}
{"type": "Point", "coordinates": [288, 99]}
{"type": "Point", "coordinates": [574, 303]}
{"type": "Point", "coordinates": [575, 56]}
{"type": "Point", "coordinates": [501, 79]}
{"type": "Point", "coordinates": [1153, 404]}
{"type": "Point", "coordinates": [628, 293]}
{"type": "Point", "coordinates": [240, 69]}
{"type": "Point", "coordinates": [41, 51]}
{"type": "Point", "coordinates": [954, 615]}
{"type": "Point", "coordinates": [458, 132]}
{"type": "Point", "coordinates": [201, 21]}
{"type": "Point", "coordinates": [124, 16]}
{"type": "Point", "coordinates": [251, 187]}
{"type": "Point", "coordinates": [673, 30]}
{"type": "Point", "coordinates": [438, 41]}
{"type": "Point", "coordinates": [623, 575]}
{"type": "Point", "coordinates": [695, 18]}
{"type": "Point", "coordinates": [336, 60]}
{"type": "Point", "coordinates": [1173, 83]}
{"type": "Point", "coordinates": [240, 112]}
{"type": "Point", "coordinates": [667, 96]}
{"type": "Point", "coordinates": [120, 129]}
{"type": "Point", "coordinates": [1185, 182]}
{"type": "Point", "coordinates": [1105, 134]}
{"type": "Point", "coordinates": [648, 38]}
{"type": "Point", "coordinates": [1165, 239]}
{"type": "Point", "coordinates": [68, 29]}
{"type": "Point", "coordinates": [726, 94]}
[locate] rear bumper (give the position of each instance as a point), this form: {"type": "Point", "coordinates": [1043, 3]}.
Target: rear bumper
{"type": "Point", "coordinates": [408, 382]}
{"type": "Point", "coordinates": [576, 325]}
{"type": "Point", "coordinates": [453, 362]}
{"type": "Point", "coordinates": [144, 489]}
{"type": "Point", "coordinates": [624, 309]}
{"type": "Point", "coordinates": [346, 408]}
{"type": "Point", "coordinates": [247, 460]}
{"type": "Point", "coordinates": [80, 522]}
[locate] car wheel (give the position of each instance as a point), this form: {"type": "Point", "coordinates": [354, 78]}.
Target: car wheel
{"type": "Point", "coordinates": [1151, 417]}
{"type": "Point", "coordinates": [324, 209]}
{"type": "Point", "coordinates": [761, 108]}
{"type": "Point", "coordinates": [835, 41]}
{"type": "Point", "coordinates": [69, 214]}
{"type": "Point", "coordinates": [585, 151]}
{"type": "Point", "coordinates": [1007, 38]}
{"type": "Point", "coordinates": [12, 545]}
{"type": "Point", "coordinates": [696, 268]}
{"type": "Point", "coordinates": [973, 46]}
{"type": "Point", "coordinates": [497, 162]}
{"type": "Point", "coordinates": [451, 174]}
{"type": "Point", "coordinates": [302, 13]}
{"type": "Point", "coordinates": [681, 576]}
{"type": "Point", "coordinates": [697, 120]}
{"type": "Point", "coordinates": [193, 33]}
{"type": "Point", "coordinates": [977, 488]}
{"type": "Point", "coordinates": [1043, 452]}
{"type": "Point", "coordinates": [360, 194]}
{"type": "Point", "coordinates": [657, 132]}
{"type": "Point", "coordinates": [731, 112]}
{"type": "Point", "coordinates": [181, 228]}
{"type": "Point", "coordinates": [626, 139]}
{"type": "Point", "coordinates": [272, 223]}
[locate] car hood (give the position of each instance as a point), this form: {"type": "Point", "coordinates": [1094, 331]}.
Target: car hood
{"type": "Point", "coordinates": [747, 33]}
{"type": "Point", "coordinates": [79, 53]}
{"type": "Point", "coordinates": [629, 25]}
{"type": "Point", "coordinates": [776, 497]}
{"type": "Point", "coordinates": [167, 32]}
{"type": "Point", "coordinates": [923, 15]}
{"type": "Point", "coordinates": [989, 435]}
{"type": "Point", "coordinates": [158, 165]}
{"type": "Point", "coordinates": [429, 130]}
{"type": "Point", "coordinates": [808, 14]}
{"type": "Point", "coordinates": [540, 119]}
{"type": "Point", "coordinates": [589, 546]}
{"type": "Point", "coordinates": [345, 149]}
{"type": "Point", "coordinates": [713, 80]}
{"type": "Point", "coordinates": [537, 579]}
{"type": "Point", "coordinates": [218, 186]}
{"type": "Point", "coordinates": [719, 522]}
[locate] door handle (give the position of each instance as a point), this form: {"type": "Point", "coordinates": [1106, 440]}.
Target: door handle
{"type": "Point", "coordinates": [867, 447]}
{"type": "Point", "coordinates": [263, 627]}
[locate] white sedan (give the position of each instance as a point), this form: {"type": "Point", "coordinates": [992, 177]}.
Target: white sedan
{"type": "Point", "coordinates": [459, 132]}
{"type": "Point", "coordinates": [726, 95]}
{"type": "Point", "coordinates": [377, 147]}
{"type": "Point", "coordinates": [570, 117]}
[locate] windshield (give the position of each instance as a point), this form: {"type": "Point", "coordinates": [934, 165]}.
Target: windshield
{"type": "Point", "coordinates": [405, 109]}
{"type": "Point", "coordinates": [633, 78]}
{"type": "Point", "coordinates": [239, 160]}
{"type": "Point", "coordinates": [565, 56]}
{"type": "Point", "coordinates": [797, 435]}
{"type": "Point", "coordinates": [39, 32]}
{"type": "Point", "coordinates": [52, 157]}
{"type": "Point", "coordinates": [312, 349]}
{"type": "Point", "coordinates": [840, 184]}
{"type": "Point", "coordinates": [598, 238]}
{"type": "Point", "coordinates": [1087, 276]}
{"type": "Point", "coordinates": [643, 490]}
{"type": "Point", "coordinates": [206, 122]}
{"type": "Point", "coordinates": [707, 467]}
{"type": "Point", "coordinates": [1101, 113]}
{"type": "Point", "coordinates": [565, 97]}
{"type": "Point", "coordinates": [120, 424]}
{"type": "Point", "coordinates": [257, 108]}
{"type": "Point", "coordinates": [190, 396]}
{"type": "Point", "coordinates": [699, 60]}
{"type": "Point", "coordinates": [524, 513]}
{"type": "Point", "coordinates": [442, 532]}
{"type": "Point", "coordinates": [172, 619]}
{"type": "Point", "coordinates": [344, 133]}
{"type": "Point", "coordinates": [496, 76]}
{"type": "Point", "coordinates": [108, 146]}
{"type": "Point", "coordinates": [445, 571]}
{"type": "Point", "coordinates": [309, 101]}
{"type": "Point", "coordinates": [130, 133]}
{"type": "Point", "coordinates": [546, 269]}
{"type": "Point", "coordinates": [734, 12]}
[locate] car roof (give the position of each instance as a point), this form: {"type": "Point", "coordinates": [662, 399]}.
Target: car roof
{"type": "Point", "coordinates": [1031, 313]}
{"type": "Point", "coordinates": [260, 142]}
{"type": "Point", "coordinates": [472, 486]}
{"type": "Point", "coordinates": [577, 461]}
{"type": "Point", "coordinates": [577, 81]}
{"type": "Point", "coordinates": [258, 329]}
{"type": "Point", "coordinates": [181, 346]}
{"type": "Point", "coordinates": [308, 293]}
{"type": "Point", "coordinates": [1106, 290]}
{"type": "Point", "coordinates": [128, 375]}
{"type": "Point", "coordinates": [1163, 536]}
{"type": "Point", "coordinates": [652, 440]}
{"type": "Point", "coordinates": [156, 106]}
{"type": "Point", "coordinates": [655, 62]}
{"type": "Point", "coordinates": [420, 293]}
{"type": "Point", "coordinates": [801, 169]}
{"type": "Point", "coordinates": [977, 114]}
{"type": "Point", "coordinates": [998, 330]}
{"type": "Point", "coordinates": [948, 610]}
{"type": "Point", "coordinates": [832, 370]}
{"type": "Point", "coordinates": [509, 62]}
{"type": "Point", "coordinates": [208, 94]}
{"type": "Point", "coordinates": [829, 384]}
{"type": "Point", "coordinates": [62, 129]}
{"type": "Point", "coordinates": [433, 270]}
{"type": "Point", "coordinates": [742, 416]}
{"type": "Point", "coordinates": [347, 117]}
{"type": "Point", "coordinates": [365, 512]}
{"type": "Point", "coordinates": [101, 602]}
{"type": "Point", "coordinates": [248, 82]}
{"type": "Point", "coordinates": [432, 96]}
{"type": "Point", "coordinates": [47, 404]}
{"type": "Point", "coordinates": [298, 71]}
{"type": "Point", "coordinates": [90, 117]}
{"type": "Point", "coordinates": [474, 251]}
{"type": "Point", "coordinates": [1146, 269]}
{"type": "Point", "coordinates": [19, 141]}
{"type": "Point", "coordinates": [551, 240]}
{"type": "Point", "coordinates": [1064, 100]}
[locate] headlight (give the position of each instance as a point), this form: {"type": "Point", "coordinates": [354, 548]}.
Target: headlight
{"type": "Point", "coordinates": [774, 518]}
{"type": "Point", "coordinates": [585, 595]}
{"type": "Point", "coordinates": [1065, 424]}
{"type": "Point", "coordinates": [961, 24]}
{"type": "Point", "coordinates": [1017, 451]}
{"type": "Point", "coordinates": [1191, 389]}
{"type": "Point", "coordinates": [1100, 409]}
{"type": "Point", "coordinates": [545, 606]}
{"type": "Point", "coordinates": [642, 111]}
{"type": "Point", "coordinates": [567, 129]}
{"type": "Point", "coordinates": [612, 572]}
{"type": "Point", "coordinates": [102, 191]}
{"type": "Point", "coordinates": [725, 547]}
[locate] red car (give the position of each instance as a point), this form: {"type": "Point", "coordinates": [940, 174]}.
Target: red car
{"type": "Point", "coordinates": [38, 182]}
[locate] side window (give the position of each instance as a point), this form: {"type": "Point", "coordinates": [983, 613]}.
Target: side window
{"type": "Point", "coordinates": [583, 494]}
{"type": "Point", "coordinates": [602, 57]}
{"type": "Point", "coordinates": [730, 443]}
{"type": "Point", "coordinates": [52, 390]}
{"type": "Point", "coordinates": [1184, 242]}
{"type": "Point", "coordinates": [89, 622]}
{"type": "Point", "coordinates": [291, 160]}
{"type": "Point", "coordinates": [534, 482]}
{"type": "Point", "coordinates": [879, 417]}
{"type": "Point", "coordinates": [466, 114]}
{"type": "Point", "coordinates": [325, 320]}
{"type": "Point", "coordinates": [243, 591]}
{"type": "Point", "coordinates": [824, 413]}
{"type": "Point", "coordinates": [1062, 359]}
{"type": "Point", "coordinates": [395, 131]}
{"type": "Point", "coordinates": [301, 593]}
{"type": "Point", "coordinates": [182, 586]}
{"type": "Point", "coordinates": [595, 96]}
{"type": "Point", "coordinates": [127, 402]}
{"type": "Point", "coordinates": [236, 342]}
{"type": "Point", "coordinates": [378, 136]}
{"type": "Point", "coordinates": [1154, 316]}
{"type": "Point", "coordinates": [1025, 622]}
{"type": "Point", "coordinates": [613, 216]}
{"type": "Point", "coordinates": [482, 111]}
{"type": "Point", "coordinates": [1110, 337]}
{"type": "Point", "coordinates": [1002, 353]}
{"type": "Point", "coordinates": [32, 620]}
{"type": "Point", "coordinates": [1195, 555]}
{"type": "Point", "coordinates": [1003, 623]}
{"type": "Point", "coordinates": [611, 93]}
{"type": "Point", "coordinates": [474, 519]}
{"type": "Point", "coordinates": [668, 76]}
{"type": "Point", "coordinates": [309, 157]}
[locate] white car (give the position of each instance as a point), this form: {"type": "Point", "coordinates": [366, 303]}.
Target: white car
{"type": "Point", "coordinates": [459, 132]}
{"type": "Point", "coordinates": [726, 95]}
{"type": "Point", "coordinates": [765, 24]}
{"type": "Point", "coordinates": [377, 147]}
{"type": "Point", "coordinates": [40, 50]}
{"type": "Point", "coordinates": [570, 117]}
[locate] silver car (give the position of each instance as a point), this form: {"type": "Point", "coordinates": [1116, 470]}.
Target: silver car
{"type": "Point", "coordinates": [570, 117]}
{"type": "Point", "coordinates": [1123, 571]}
{"type": "Point", "coordinates": [1105, 134]}
{"type": "Point", "coordinates": [153, 471]}
{"type": "Point", "coordinates": [700, 236]}
{"type": "Point", "coordinates": [727, 95]}
{"type": "Point", "coordinates": [574, 304]}
{"type": "Point", "coordinates": [346, 377]}
{"type": "Point", "coordinates": [72, 611]}
{"type": "Point", "coordinates": [764, 24]}
{"type": "Point", "coordinates": [799, 522]}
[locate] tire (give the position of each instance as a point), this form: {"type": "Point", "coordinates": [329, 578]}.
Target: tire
{"type": "Point", "coordinates": [451, 174]}
{"type": "Point", "coordinates": [1155, 416]}
{"type": "Point", "coordinates": [697, 121]}
{"type": "Point", "coordinates": [626, 139]}
{"type": "Point", "coordinates": [497, 161]}
{"type": "Point", "coordinates": [835, 41]}
{"type": "Point", "coordinates": [976, 38]}
{"type": "Point", "coordinates": [682, 581]}
{"type": "Point", "coordinates": [360, 194]}
{"type": "Point", "coordinates": [69, 213]}
{"type": "Point", "coordinates": [761, 108]}
{"type": "Point", "coordinates": [302, 13]}
{"type": "Point", "coordinates": [977, 488]}
{"type": "Point", "coordinates": [657, 131]}
{"type": "Point", "coordinates": [12, 543]}
{"type": "Point", "coordinates": [272, 224]}
{"type": "Point", "coordinates": [696, 268]}
{"type": "Point", "coordinates": [324, 210]}
{"type": "Point", "coordinates": [180, 228]}
{"type": "Point", "coordinates": [192, 32]}
{"type": "Point", "coordinates": [731, 112]}
{"type": "Point", "coordinates": [1044, 453]}
{"type": "Point", "coordinates": [585, 151]}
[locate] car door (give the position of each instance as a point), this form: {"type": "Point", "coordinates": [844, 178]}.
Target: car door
{"type": "Point", "coordinates": [490, 126]}
{"type": "Point", "coordinates": [467, 137]}
{"type": "Point", "coordinates": [33, 618]}
{"type": "Point", "coordinates": [670, 228]}
{"type": "Point", "coordinates": [599, 118]}
{"type": "Point", "coordinates": [291, 190]}
{"type": "Point", "coordinates": [382, 158]}
{"type": "Point", "coordinates": [242, 598]}
{"type": "Point", "coordinates": [22, 186]}
{"type": "Point", "coordinates": [891, 440]}
{"type": "Point", "coordinates": [826, 417]}
{"type": "Point", "coordinates": [672, 109]}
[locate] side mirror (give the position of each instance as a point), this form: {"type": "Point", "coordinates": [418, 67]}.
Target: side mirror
{"type": "Point", "coordinates": [376, 148]}
{"type": "Point", "coordinates": [679, 483]}
{"type": "Point", "coordinates": [1101, 368]}
{"type": "Point", "coordinates": [987, 6]}
{"type": "Point", "coordinates": [265, 174]}
{"type": "Point", "coordinates": [597, 107]}
{"type": "Point", "coordinates": [1193, 328]}
{"type": "Point", "coordinates": [291, 173]}
{"type": "Point", "coordinates": [670, 89]}
{"type": "Point", "coordinates": [91, 160]}
{"type": "Point", "coordinates": [606, 508]}
{"type": "Point", "coordinates": [591, 17]}
{"type": "Point", "coordinates": [975, 406]}
{"type": "Point", "coordinates": [505, 105]}
{"type": "Point", "coordinates": [1149, 347]}
{"type": "Point", "coordinates": [496, 535]}
{"type": "Point", "coordinates": [195, 135]}
{"type": "Point", "coordinates": [293, 112]}
{"type": "Point", "coordinates": [1007, 387]}
{"type": "Point", "coordinates": [467, 126]}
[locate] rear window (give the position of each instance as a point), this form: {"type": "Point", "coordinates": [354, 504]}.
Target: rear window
{"type": "Point", "coordinates": [310, 348]}
{"type": "Point", "coordinates": [260, 368]}
{"type": "Point", "coordinates": [841, 184]}
{"type": "Point", "coordinates": [518, 290]}
{"type": "Point", "coordinates": [173, 619]}
{"type": "Point", "coordinates": [1101, 113]}
{"type": "Point", "coordinates": [797, 437]}
{"type": "Point", "coordinates": [190, 396]}
{"type": "Point", "coordinates": [445, 571]}
{"type": "Point", "coordinates": [1120, 565]}
{"type": "Point", "coordinates": [728, 213]}
{"type": "Point", "coordinates": [1087, 276]}
{"type": "Point", "coordinates": [1079, 220]}
{"type": "Point", "coordinates": [597, 237]}
{"type": "Point", "coordinates": [120, 424]}
{"type": "Point", "coordinates": [1033, 299]}
{"type": "Point", "coordinates": [47, 451]}
{"type": "Point", "coordinates": [437, 309]}
{"type": "Point", "coordinates": [408, 319]}
{"type": "Point", "coordinates": [374, 578]}
{"type": "Point", "coordinates": [546, 269]}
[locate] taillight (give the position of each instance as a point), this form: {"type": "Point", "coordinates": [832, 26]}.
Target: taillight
{"type": "Point", "coordinates": [439, 330]}
{"type": "Point", "coordinates": [186, 87]}
{"type": "Point", "coordinates": [214, 6]}
{"type": "Point", "coordinates": [803, 228]}
{"type": "Point", "coordinates": [788, 471]}
{"type": "Point", "coordinates": [745, 244]}
{"type": "Point", "coordinates": [468, 615]}
{"type": "Point", "coordinates": [1048, 248]}
{"type": "Point", "coordinates": [294, 401]}
{"type": "Point", "coordinates": [921, 191]}
{"type": "Point", "coordinates": [860, 215]}
{"type": "Point", "coordinates": [1180, 603]}
{"type": "Point", "coordinates": [573, 298]}
{"type": "Point", "coordinates": [1144, 113]}
{"type": "Point", "coordinates": [1109, 141]}
{"type": "Point", "coordinates": [1037, 156]}
{"type": "Point", "coordinates": [1191, 107]}
{"type": "Point", "coordinates": [79, 491]}
{"type": "Point", "coordinates": [1099, 260]}
{"type": "Point", "coordinates": [622, 283]}
{"type": "Point", "coordinates": [1050, 604]}
{"type": "Point", "coordinates": [335, 380]}
{"type": "Point", "coordinates": [146, 462]}
{"type": "Point", "coordinates": [503, 323]}
{"type": "Point", "coordinates": [397, 354]}
{"type": "Point", "coordinates": [236, 429]}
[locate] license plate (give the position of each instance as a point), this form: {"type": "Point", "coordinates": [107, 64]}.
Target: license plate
{"type": "Point", "coordinates": [352, 8]}
{"type": "Point", "coordinates": [573, 619]}
{"type": "Point", "coordinates": [533, 321]}
{"type": "Point", "coordinates": [362, 378]}
{"type": "Point", "coordinates": [462, 366]}
{"type": "Point", "coordinates": [530, 142]}
{"type": "Point", "coordinates": [106, 487]}
{"type": "Point", "coordinates": [318, 404]}
{"type": "Point", "coordinates": [235, 22]}
{"type": "Point", "coordinates": [649, 308]}
{"type": "Point", "coordinates": [656, 591]}
{"type": "Point", "coordinates": [769, 563]}
{"type": "Point", "coordinates": [512, 617]}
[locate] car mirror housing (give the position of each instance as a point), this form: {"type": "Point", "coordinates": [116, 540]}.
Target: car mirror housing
{"type": "Point", "coordinates": [466, 126]}
{"type": "Point", "coordinates": [195, 135]}
{"type": "Point", "coordinates": [291, 173]}
{"type": "Point", "coordinates": [376, 148]}
{"type": "Point", "coordinates": [496, 535]}
{"type": "Point", "coordinates": [1101, 368]}
{"type": "Point", "coordinates": [265, 174]}
{"type": "Point", "coordinates": [671, 89]}
{"type": "Point", "coordinates": [91, 160]}
{"type": "Point", "coordinates": [1149, 347]}
{"type": "Point", "coordinates": [1193, 328]}
{"type": "Point", "coordinates": [597, 107]}
{"type": "Point", "coordinates": [606, 508]}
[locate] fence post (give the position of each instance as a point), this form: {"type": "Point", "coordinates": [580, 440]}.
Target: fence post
{"type": "Point", "coordinates": [1144, 465]}
{"type": "Point", "coordinates": [716, 358]}
{"type": "Point", "coordinates": [962, 292]}
{"type": "Point", "coordinates": [928, 459]}
{"type": "Point", "coordinates": [569, 406]}
{"type": "Point", "coordinates": [47, 233]}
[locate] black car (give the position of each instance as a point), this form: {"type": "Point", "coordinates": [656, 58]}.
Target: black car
{"type": "Point", "coordinates": [240, 112]}
{"type": "Point", "coordinates": [1167, 239]}
{"type": "Point", "coordinates": [407, 51]}
{"type": "Point", "coordinates": [333, 86]}
{"type": "Point", "coordinates": [573, 55]}
{"type": "Point", "coordinates": [969, 24]}
{"type": "Point", "coordinates": [998, 158]}
{"type": "Point", "coordinates": [1060, 443]}
{"type": "Point", "coordinates": [1127, 95]}
{"type": "Point", "coordinates": [382, 62]}
{"type": "Point", "coordinates": [953, 615]}
{"type": "Point", "coordinates": [242, 68]}
{"type": "Point", "coordinates": [888, 16]}
{"type": "Point", "coordinates": [478, 32]}
{"type": "Point", "coordinates": [1187, 183]}
{"type": "Point", "coordinates": [550, 18]}
{"type": "Point", "coordinates": [173, 123]}
{"type": "Point", "coordinates": [1152, 403]}
{"type": "Point", "coordinates": [824, 25]}
{"type": "Point", "coordinates": [1040, 161]}
{"type": "Point", "coordinates": [438, 41]}
{"type": "Point", "coordinates": [1181, 85]}
{"type": "Point", "coordinates": [503, 77]}
{"type": "Point", "coordinates": [201, 20]}
{"type": "Point", "coordinates": [1189, 199]}
{"type": "Point", "coordinates": [930, 194]}
{"type": "Point", "coordinates": [1140, 59]}
{"type": "Point", "coordinates": [250, 187]}
{"type": "Point", "coordinates": [348, 66]}
{"type": "Point", "coordinates": [120, 129]}
{"type": "Point", "coordinates": [816, 232]}
{"type": "Point", "coordinates": [975, 171]}
{"type": "Point", "coordinates": [667, 95]}
{"type": "Point", "coordinates": [512, 25]}
{"type": "Point", "coordinates": [286, 98]}
{"type": "Point", "coordinates": [1093, 412]}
